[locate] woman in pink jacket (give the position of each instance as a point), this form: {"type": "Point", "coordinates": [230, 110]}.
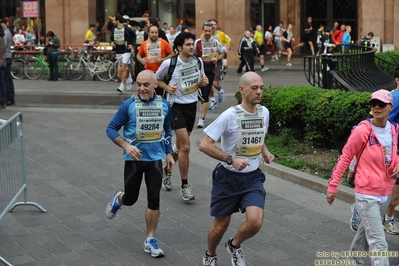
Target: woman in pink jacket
{"type": "Point", "coordinates": [375, 143]}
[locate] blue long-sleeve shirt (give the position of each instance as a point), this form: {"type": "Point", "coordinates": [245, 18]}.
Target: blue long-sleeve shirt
{"type": "Point", "coordinates": [346, 40]}
{"type": "Point", "coordinates": [394, 114]}
{"type": "Point", "coordinates": [126, 117]}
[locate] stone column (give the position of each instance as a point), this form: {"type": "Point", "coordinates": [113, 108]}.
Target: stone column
{"type": "Point", "coordinates": [232, 17]}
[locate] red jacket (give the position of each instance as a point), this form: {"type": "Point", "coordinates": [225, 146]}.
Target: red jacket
{"type": "Point", "coordinates": [337, 36]}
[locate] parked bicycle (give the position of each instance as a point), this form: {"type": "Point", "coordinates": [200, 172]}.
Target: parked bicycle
{"type": "Point", "coordinates": [99, 68]}
{"type": "Point", "coordinates": [35, 66]}
{"type": "Point", "coordinates": [18, 68]}
{"type": "Point", "coordinates": [18, 63]}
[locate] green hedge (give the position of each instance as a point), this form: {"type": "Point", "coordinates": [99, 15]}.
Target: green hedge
{"type": "Point", "coordinates": [391, 57]}
{"type": "Point", "coordinates": [321, 117]}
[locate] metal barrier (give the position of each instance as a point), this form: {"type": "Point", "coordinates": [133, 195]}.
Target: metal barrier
{"type": "Point", "coordinates": [13, 167]}
{"type": "Point", "coordinates": [353, 69]}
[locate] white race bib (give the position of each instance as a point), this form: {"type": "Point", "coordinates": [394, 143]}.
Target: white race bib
{"type": "Point", "coordinates": [154, 51]}
{"type": "Point", "coordinates": [251, 135]}
{"type": "Point", "coordinates": [149, 120]}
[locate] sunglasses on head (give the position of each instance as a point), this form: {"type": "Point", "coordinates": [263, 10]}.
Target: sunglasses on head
{"type": "Point", "coordinates": [208, 24]}
{"type": "Point", "coordinates": [374, 103]}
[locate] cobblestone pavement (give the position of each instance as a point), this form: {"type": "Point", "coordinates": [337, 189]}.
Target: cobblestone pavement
{"type": "Point", "coordinates": [73, 170]}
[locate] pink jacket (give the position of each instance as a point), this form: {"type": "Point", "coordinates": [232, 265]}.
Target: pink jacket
{"type": "Point", "coordinates": [372, 176]}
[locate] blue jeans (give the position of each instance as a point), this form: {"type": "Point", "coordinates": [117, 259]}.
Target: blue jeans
{"type": "Point", "coordinates": [52, 59]}
{"type": "Point", "coordinates": [3, 87]}
{"type": "Point", "coordinates": [8, 80]}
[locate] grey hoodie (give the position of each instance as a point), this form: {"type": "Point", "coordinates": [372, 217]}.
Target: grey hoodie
{"type": "Point", "coordinates": [8, 42]}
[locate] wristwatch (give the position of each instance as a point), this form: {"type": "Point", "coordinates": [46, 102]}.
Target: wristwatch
{"type": "Point", "coordinates": [229, 160]}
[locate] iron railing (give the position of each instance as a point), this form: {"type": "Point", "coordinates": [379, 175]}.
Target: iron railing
{"type": "Point", "coordinates": [353, 69]}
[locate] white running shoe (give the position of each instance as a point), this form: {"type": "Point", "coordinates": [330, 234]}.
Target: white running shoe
{"type": "Point", "coordinates": [121, 88]}
{"type": "Point", "coordinates": [151, 247]}
{"type": "Point", "coordinates": [201, 123]}
{"type": "Point", "coordinates": [213, 105]}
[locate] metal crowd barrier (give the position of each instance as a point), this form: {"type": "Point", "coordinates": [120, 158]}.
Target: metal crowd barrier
{"type": "Point", "coordinates": [13, 167]}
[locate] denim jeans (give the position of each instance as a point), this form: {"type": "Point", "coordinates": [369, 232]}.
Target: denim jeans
{"type": "Point", "coordinates": [3, 87]}
{"type": "Point", "coordinates": [52, 59]}
{"type": "Point", "coordinates": [8, 80]}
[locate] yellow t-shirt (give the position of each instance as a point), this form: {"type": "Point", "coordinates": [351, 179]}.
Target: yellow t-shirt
{"type": "Point", "coordinates": [221, 36]}
{"type": "Point", "coordinates": [89, 36]}
{"type": "Point", "coordinates": [258, 38]}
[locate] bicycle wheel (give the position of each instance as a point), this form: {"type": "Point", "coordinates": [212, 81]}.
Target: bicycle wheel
{"type": "Point", "coordinates": [76, 70]}
{"type": "Point", "coordinates": [102, 70]}
{"type": "Point", "coordinates": [63, 64]}
{"type": "Point", "coordinates": [33, 68]}
{"type": "Point", "coordinates": [113, 72]}
{"type": "Point", "coordinates": [18, 69]}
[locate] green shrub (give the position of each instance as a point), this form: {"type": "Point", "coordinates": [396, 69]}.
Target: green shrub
{"type": "Point", "coordinates": [391, 57]}
{"type": "Point", "coordinates": [321, 117]}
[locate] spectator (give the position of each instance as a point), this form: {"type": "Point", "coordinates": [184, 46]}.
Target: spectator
{"type": "Point", "coordinates": [19, 38]}
{"type": "Point", "coordinates": [335, 27]}
{"type": "Point", "coordinates": [326, 42]}
{"type": "Point", "coordinates": [90, 36]}
{"type": "Point", "coordinates": [320, 33]}
{"type": "Point", "coordinates": [180, 26]}
{"type": "Point", "coordinates": [31, 37]}
{"type": "Point", "coordinates": [337, 37]}
{"type": "Point", "coordinates": [388, 220]}
{"type": "Point", "coordinates": [53, 44]}
{"type": "Point", "coordinates": [3, 88]}
{"type": "Point", "coordinates": [376, 172]}
{"type": "Point", "coordinates": [8, 57]}
{"type": "Point", "coordinates": [346, 39]}
{"type": "Point", "coordinates": [366, 40]}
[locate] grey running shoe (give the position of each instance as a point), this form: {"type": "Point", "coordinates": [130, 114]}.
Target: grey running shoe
{"type": "Point", "coordinates": [209, 260]}
{"type": "Point", "coordinates": [355, 219]}
{"type": "Point", "coordinates": [237, 258]}
{"type": "Point", "coordinates": [166, 182]}
{"type": "Point", "coordinates": [390, 227]}
{"type": "Point", "coordinates": [186, 193]}
{"type": "Point", "coordinates": [113, 206]}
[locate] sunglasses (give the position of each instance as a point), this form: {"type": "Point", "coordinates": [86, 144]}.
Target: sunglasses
{"type": "Point", "coordinates": [379, 103]}
{"type": "Point", "coordinates": [208, 24]}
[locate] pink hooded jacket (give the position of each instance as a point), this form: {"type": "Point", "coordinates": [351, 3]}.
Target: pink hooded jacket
{"type": "Point", "coordinates": [372, 176]}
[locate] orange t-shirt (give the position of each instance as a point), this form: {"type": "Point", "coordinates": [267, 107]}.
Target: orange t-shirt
{"type": "Point", "coordinates": [152, 51]}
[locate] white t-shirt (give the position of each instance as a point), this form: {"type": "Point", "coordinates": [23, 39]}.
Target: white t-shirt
{"type": "Point", "coordinates": [225, 127]}
{"type": "Point", "coordinates": [171, 38]}
{"type": "Point", "coordinates": [278, 31]}
{"type": "Point", "coordinates": [184, 75]}
{"type": "Point", "coordinates": [210, 48]}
